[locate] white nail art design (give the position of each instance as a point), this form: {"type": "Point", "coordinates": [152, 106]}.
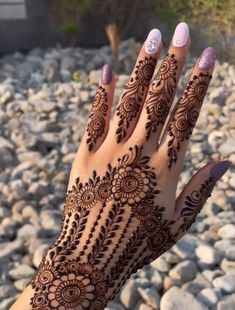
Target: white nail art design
{"type": "Point", "coordinates": [153, 41]}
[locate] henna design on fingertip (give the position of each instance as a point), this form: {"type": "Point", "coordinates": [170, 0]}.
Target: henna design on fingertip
{"type": "Point", "coordinates": [185, 114]}
{"type": "Point", "coordinates": [161, 95]}
{"type": "Point", "coordinates": [133, 96]}
{"type": "Point", "coordinates": [96, 125]}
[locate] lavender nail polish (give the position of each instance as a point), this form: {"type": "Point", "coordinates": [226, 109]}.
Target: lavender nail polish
{"type": "Point", "coordinates": [207, 58]}
{"type": "Point", "coordinates": [181, 35]}
{"type": "Point", "coordinates": [219, 169]}
{"type": "Point", "coordinates": [153, 41]}
{"type": "Point", "coordinates": [106, 75]}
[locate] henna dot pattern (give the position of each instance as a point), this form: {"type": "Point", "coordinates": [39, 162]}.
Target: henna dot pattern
{"type": "Point", "coordinates": [160, 94]}
{"type": "Point", "coordinates": [133, 96]}
{"type": "Point", "coordinates": [96, 125]}
{"type": "Point", "coordinates": [186, 113]}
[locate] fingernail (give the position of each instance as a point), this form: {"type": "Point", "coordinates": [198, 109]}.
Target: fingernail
{"type": "Point", "coordinates": [153, 41]}
{"type": "Point", "coordinates": [207, 58]}
{"type": "Point", "coordinates": [181, 35]}
{"type": "Point", "coordinates": [219, 169]}
{"type": "Point", "coordinates": [106, 75]}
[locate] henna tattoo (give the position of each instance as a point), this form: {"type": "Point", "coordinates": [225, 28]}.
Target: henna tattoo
{"type": "Point", "coordinates": [186, 113]}
{"type": "Point", "coordinates": [133, 96]}
{"type": "Point", "coordinates": [96, 125]}
{"type": "Point", "coordinates": [74, 275]}
{"type": "Point", "coordinates": [161, 94]}
{"type": "Point", "coordinates": [195, 202]}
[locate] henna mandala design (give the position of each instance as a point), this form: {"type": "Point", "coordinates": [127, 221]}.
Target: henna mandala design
{"type": "Point", "coordinates": [85, 267]}
{"type": "Point", "coordinates": [96, 124]}
{"type": "Point", "coordinates": [186, 113]}
{"type": "Point", "coordinates": [195, 202]}
{"type": "Point", "coordinates": [133, 95]}
{"type": "Point", "coordinates": [161, 94]}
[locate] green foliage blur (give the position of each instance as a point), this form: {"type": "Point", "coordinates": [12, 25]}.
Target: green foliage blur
{"type": "Point", "coordinates": [212, 19]}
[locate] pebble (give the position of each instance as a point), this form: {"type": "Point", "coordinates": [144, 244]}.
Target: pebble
{"type": "Point", "coordinates": [208, 255]}
{"type": "Point", "coordinates": [227, 231]}
{"type": "Point", "coordinates": [22, 271]}
{"type": "Point", "coordinates": [208, 297]}
{"type": "Point", "coordinates": [129, 294]}
{"type": "Point", "coordinates": [150, 296]}
{"type": "Point", "coordinates": [184, 271]}
{"type": "Point", "coordinates": [175, 298]}
{"type": "Point", "coordinates": [226, 283]}
{"type": "Point", "coordinates": [227, 303]}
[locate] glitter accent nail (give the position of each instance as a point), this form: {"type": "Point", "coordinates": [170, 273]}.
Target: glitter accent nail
{"type": "Point", "coordinates": [153, 41]}
{"type": "Point", "coordinates": [207, 58]}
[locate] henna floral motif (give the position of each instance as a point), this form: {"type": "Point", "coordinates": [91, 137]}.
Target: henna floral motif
{"type": "Point", "coordinates": [195, 202]}
{"type": "Point", "coordinates": [186, 113]}
{"type": "Point", "coordinates": [85, 274]}
{"type": "Point", "coordinates": [160, 94]}
{"type": "Point", "coordinates": [132, 98]}
{"type": "Point", "coordinates": [96, 125]}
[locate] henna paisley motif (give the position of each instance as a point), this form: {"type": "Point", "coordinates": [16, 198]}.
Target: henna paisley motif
{"type": "Point", "coordinates": [96, 125]}
{"type": "Point", "coordinates": [160, 94]}
{"type": "Point", "coordinates": [195, 202]}
{"type": "Point", "coordinates": [132, 98]}
{"type": "Point", "coordinates": [186, 113]}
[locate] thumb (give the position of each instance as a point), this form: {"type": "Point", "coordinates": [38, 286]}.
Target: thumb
{"type": "Point", "coordinates": [191, 200]}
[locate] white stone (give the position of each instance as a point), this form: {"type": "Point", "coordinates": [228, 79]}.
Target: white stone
{"type": "Point", "coordinates": [208, 255]}
{"type": "Point", "coordinates": [226, 283]}
{"type": "Point", "coordinates": [227, 231]}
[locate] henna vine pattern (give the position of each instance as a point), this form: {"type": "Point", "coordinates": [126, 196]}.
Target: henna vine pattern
{"type": "Point", "coordinates": [132, 98]}
{"type": "Point", "coordinates": [186, 113]}
{"type": "Point", "coordinates": [195, 202]}
{"type": "Point", "coordinates": [161, 94]}
{"type": "Point", "coordinates": [112, 227]}
{"type": "Point", "coordinates": [96, 124]}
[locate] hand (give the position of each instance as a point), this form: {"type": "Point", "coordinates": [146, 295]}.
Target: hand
{"type": "Point", "coordinates": [121, 210]}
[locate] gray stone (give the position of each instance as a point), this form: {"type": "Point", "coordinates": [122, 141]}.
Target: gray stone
{"type": "Point", "coordinates": [208, 297]}
{"type": "Point", "coordinates": [184, 271]}
{"type": "Point", "coordinates": [227, 303]}
{"type": "Point", "coordinates": [176, 298]}
{"type": "Point", "coordinates": [6, 143]}
{"type": "Point", "coordinates": [38, 254]}
{"type": "Point", "coordinates": [7, 248]}
{"type": "Point", "coordinates": [227, 148]}
{"type": "Point", "coordinates": [7, 290]}
{"type": "Point", "coordinates": [129, 294]}
{"type": "Point", "coordinates": [150, 296]}
{"type": "Point", "coordinates": [185, 247]}
{"type": "Point", "coordinates": [227, 231]}
{"type": "Point", "coordinates": [210, 275]}
{"type": "Point", "coordinates": [156, 280]}
{"type": "Point", "coordinates": [22, 271]}
{"type": "Point", "coordinates": [27, 232]}
{"type": "Point", "coordinates": [21, 284]}
{"type": "Point", "coordinates": [208, 255]}
{"type": "Point", "coordinates": [6, 93]}
{"type": "Point", "coordinates": [226, 283]}
{"type": "Point", "coordinates": [51, 219]}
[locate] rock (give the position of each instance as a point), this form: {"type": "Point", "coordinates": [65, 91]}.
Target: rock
{"type": "Point", "coordinates": [185, 247]}
{"type": "Point", "coordinates": [156, 280]}
{"type": "Point", "coordinates": [94, 76]}
{"type": "Point", "coordinates": [208, 297]}
{"type": "Point", "coordinates": [28, 231]}
{"type": "Point", "coordinates": [150, 296]}
{"type": "Point", "coordinates": [68, 63]}
{"type": "Point", "coordinates": [226, 283]}
{"type": "Point", "coordinates": [65, 75]}
{"type": "Point", "coordinates": [227, 303]}
{"type": "Point", "coordinates": [6, 143]}
{"type": "Point", "coordinates": [6, 93]}
{"type": "Point", "coordinates": [208, 255]}
{"type": "Point", "coordinates": [210, 275]}
{"type": "Point", "coordinates": [142, 306]}
{"type": "Point", "coordinates": [228, 266]}
{"type": "Point", "coordinates": [184, 271]}
{"type": "Point", "coordinates": [161, 265]}
{"type": "Point", "coordinates": [21, 284]}
{"type": "Point", "coordinates": [44, 106]}
{"type": "Point", "coordinates": [176, 298]}
{"type": "Point", "coordinates": [112, 305]}
{"type": "Point", "coordinates": [129, 294]}
{"type": "Point", "coordinates": [51, 220]}
{"type": "Point", "coordinates": [6, 290]}
{"type": "Point", "coordinates": [7, 248]}
{"type": "Point", "coordinates": [227, 148]}
{"type": "Point", "coordinates": [227, 231]}
{"type": "Point", "coordinates": [22, 271]}
{"type": "Point", "coordinates": [38, 254]}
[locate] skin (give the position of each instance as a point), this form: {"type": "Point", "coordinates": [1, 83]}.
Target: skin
{"type": "Point", "coordinates": [107, 150]}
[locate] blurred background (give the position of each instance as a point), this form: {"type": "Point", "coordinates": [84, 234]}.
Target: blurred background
{"type": "Point", "coordinates": [51, 55]}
